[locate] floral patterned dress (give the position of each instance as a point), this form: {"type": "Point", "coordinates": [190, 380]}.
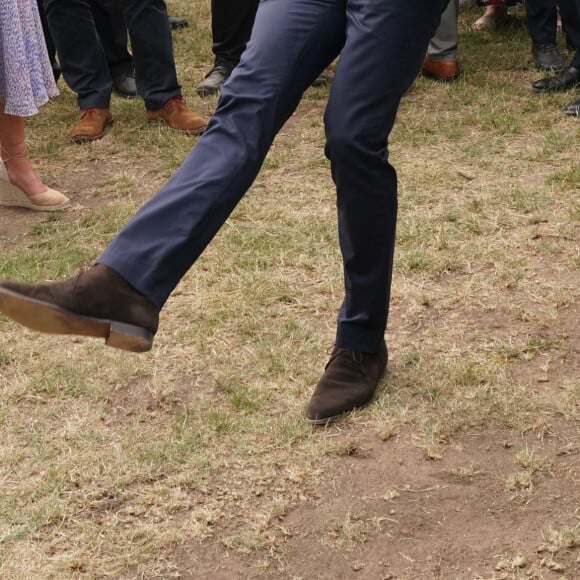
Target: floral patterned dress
{"type": "Point", "coordinates": [26, 78]}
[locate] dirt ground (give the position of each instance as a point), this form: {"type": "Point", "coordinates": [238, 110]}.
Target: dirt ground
{"type": "Point", "coordinates": [402, 516]}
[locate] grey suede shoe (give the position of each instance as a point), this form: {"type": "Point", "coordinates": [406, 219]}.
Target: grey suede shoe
{"type": "Point", "coordinates": [349, 382]}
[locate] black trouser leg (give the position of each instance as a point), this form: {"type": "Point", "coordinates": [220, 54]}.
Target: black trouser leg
{"type": "Point", "coordinates": [112, 30]}
{"type": "Point", "coordinates": [542, 17]}
{"type": "Point", "coordinates": [231, 26]}
{"type": "Point", "coordinates": [150, 34]}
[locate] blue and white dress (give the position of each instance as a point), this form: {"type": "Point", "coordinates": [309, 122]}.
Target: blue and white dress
{"type": "Point", "coordinates": [26, 77]}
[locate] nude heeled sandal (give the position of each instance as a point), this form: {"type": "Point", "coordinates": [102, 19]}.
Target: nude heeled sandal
{"type": "Point", "coordinates": [13, 196]}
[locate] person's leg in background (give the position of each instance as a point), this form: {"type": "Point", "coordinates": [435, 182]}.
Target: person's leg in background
{"type": "Point", "coordinates": [20, 185]}
{"type": "Point", "coordinates": [156, 76]}
{"type": "Point", "coordinates": [231, 27]}
{"type": "Point", "coordinates": [542, 19]}
{"type": "Point", "coordinates": [83, 63]}
{"type": "Point", "coordinates": [441, 62]}
{"type": "Point", "coordinates": [112, 30]}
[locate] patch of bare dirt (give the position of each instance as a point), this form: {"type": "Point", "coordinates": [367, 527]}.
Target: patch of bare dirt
{"type": "Point", "coordinates": [387, 512]}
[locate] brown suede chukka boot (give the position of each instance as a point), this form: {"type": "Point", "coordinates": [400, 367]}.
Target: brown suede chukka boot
{"type": "Point", "coordinates": [97, 303]}
{"type": "Point", "coordinates": [178, 116]}
{"type": "Point", "coordinates": [349, 382]}
{"type": "Point", "coordinates": [91, 125]}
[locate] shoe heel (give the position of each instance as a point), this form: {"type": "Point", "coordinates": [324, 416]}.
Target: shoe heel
{"type": "Point", "coordinates": [129, 337]}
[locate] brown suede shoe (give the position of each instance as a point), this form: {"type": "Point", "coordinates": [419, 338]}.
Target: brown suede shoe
{"type": "Point", "coordinates": [97, 303]}
{"type": "Point", "coordinates": [349, 382]}
{"type": "Point", "coordinates": [440, 70]}
{"type": "Point", "coordinates": [91, 125]}
{"type": "Point", "coordinates": [178, 116]}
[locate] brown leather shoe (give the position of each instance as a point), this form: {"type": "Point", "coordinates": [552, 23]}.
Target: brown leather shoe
{"type": "Point", "coordinates": [91, 125]}
{"type": "Point", "coordinates": [98, 302]}
{"type": "Point", "coordinates": [178, 116]}
{"type": "Point", "coordinates": [440, 70]}
{"type": "Point", "coordinates": [349, 382]}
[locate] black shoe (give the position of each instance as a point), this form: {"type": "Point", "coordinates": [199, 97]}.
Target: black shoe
{"type": "Point", "coordinates": [98, 302]}
{"type": "Point", "coordinates": [573, 109]}
{"type": "Point", "coordinates": [567, 79]}
{"type": "Point", "coordinates": [214, 80]}
{"type": "Point", "coordinates": [175, 22]}
{"type": "Point", "coordinates": [124, 84]}
{"type": "Point", "coordinates": [349, 382]}
{"type": "Point", "coordinates": [547, 57]}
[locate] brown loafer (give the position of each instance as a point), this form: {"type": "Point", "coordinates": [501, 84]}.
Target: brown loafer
{"type": "Point", "coordinates": [349, 382]}
{"type": "Point", "coordinates": [440, 70]}
{"type": "Point", "coordinates": [98, 303]}
{"type": "Point", "coordinates": [91, 125]}
{"type": "Point", "coordinates": [178, 116]}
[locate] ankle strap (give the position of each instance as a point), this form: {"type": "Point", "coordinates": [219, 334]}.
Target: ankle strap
{"type": "Point", "coordinates": [6, 156]}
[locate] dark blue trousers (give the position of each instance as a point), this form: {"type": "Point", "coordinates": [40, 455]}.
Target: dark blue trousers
{"type": "Point", "coordinates": [381, 44]}
{"type": "Point", "coordinates": [83, 59]}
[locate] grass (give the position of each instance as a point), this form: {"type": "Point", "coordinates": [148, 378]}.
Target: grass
{"type": "Point", "coordinates": [115, 466]}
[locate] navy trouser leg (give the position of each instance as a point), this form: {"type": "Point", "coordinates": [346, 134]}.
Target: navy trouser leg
{"type": "Point", "coordinates": [291, 44]}
{"type": "Point", "coordinates": [152, 48]}
{"type": "Point", "coordinates": [80, 53]}
{"type": "Point", "coordinates": [386, 41]}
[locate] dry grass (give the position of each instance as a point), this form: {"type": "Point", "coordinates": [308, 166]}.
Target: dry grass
{"type": "Point", "coordinates": [134, 466]}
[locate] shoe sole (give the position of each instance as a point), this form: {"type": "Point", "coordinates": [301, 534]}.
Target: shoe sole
{"type": "Point", "coordinates": [31, 206]}
{"type": "Point", "coordinates": [434, 77]}
{"type": "Point", "coordinates": [13, 196]}
{"type": "Point", "coordinates": [335, 418]}
{"type": "Point", "coordinates": [558, 90]}
{"type": "Point", "coordinates": [49, 318]}
{"type": "Point", "coordinates": [193, 132]}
